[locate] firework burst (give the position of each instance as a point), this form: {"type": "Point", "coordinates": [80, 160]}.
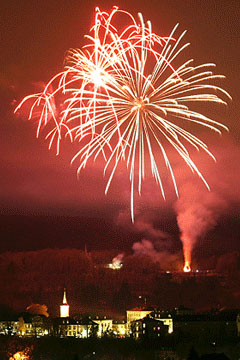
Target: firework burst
{"type": "Point", "coordinates": [124, 98]}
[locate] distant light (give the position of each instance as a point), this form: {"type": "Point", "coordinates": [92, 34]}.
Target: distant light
{"type": "Point", "coordinates": [115, 266]}
{"type": "Point", "coordinates": [197, 270]}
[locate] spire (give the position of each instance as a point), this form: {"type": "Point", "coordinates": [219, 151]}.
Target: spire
{"type": "Point", "coordinates": [64, 308]}
{"type": "Point", "coordinates": [64, 297]}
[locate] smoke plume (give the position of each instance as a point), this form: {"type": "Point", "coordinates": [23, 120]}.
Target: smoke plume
{"type": "Point", "coordinates": [197, 212]}
{"type": "Point", "coordinates": [117, 260]}
{"type": "Point", "coordinates": [38, 309]}
{"type": "Point", "coordinates": [157, 253]}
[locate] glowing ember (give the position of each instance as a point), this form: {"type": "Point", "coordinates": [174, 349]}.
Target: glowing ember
{"type": "Point", "coordinates": [186, 267]}
{"type": "Point", "coordinates": [20, 355]}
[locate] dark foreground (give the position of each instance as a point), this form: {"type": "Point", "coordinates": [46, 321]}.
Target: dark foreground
{"type": "Point", "coordinates": [170, 348]}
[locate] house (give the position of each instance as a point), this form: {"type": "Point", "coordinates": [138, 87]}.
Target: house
{"type": "Point", "coordinates": [104, 325]}
{"type": "Point", "coordinates": [68, 327]}
{"type": "Point", "coordinates": [148, 328]}
{"type": "Point", "coordinates": [119, 328]}
{"type": "Point", "coordinates": [165, 317]}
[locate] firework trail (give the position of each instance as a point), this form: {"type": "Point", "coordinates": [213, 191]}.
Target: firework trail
{"type": "Point", "coordinates": [124, 99]}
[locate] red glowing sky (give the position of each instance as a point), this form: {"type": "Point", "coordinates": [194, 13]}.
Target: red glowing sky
{"type": "Point", "coordinates": [42, 202]}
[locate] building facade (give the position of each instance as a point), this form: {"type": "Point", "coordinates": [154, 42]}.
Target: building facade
{"type": "Point", "coordinates": [148, 328]}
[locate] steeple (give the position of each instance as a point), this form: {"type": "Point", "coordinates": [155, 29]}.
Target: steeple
{"type": "Point", "coordinates": [64, 308]}
{"type": "Point", "coordinates": [64, 297]}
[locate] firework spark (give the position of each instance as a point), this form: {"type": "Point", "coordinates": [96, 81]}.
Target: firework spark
{"type": "Point", "coordinates": [124, 99]}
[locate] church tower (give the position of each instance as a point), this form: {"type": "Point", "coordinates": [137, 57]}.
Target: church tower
{"type": "Point", "coordinates": [64, 308]}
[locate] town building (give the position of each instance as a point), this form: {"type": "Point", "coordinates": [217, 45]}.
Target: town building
{"type": "Point", "coordinates": [9, 327]}
{"type": "Point", "coordinates": [165, 317]}
{"type": "Point", "coordinates": [68, 327]}
{"type": "Point", "coordinates": [140, 313]}
{"type": "Point", "coordinates": [148, 328]}
{"type": "Point", "coordinates": [119, 328]}
{"type": "Point", "coordinates": [141, 323]}
{"type": "Point", "coordinates": [105, 325]}
{"type": "Point", "coordinates": [137, 313]}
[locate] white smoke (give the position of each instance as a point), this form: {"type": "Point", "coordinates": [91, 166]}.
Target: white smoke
{"type": "Point", "coordinates": [197, 212]}
{"type": "Point", "coordinates": [162, 256]}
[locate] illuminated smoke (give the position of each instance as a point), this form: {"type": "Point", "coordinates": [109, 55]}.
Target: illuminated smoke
{"type": "Point", "coordinates": [116, 263]}
{"type": "Point", "coordinates": [197, 212]}
{"type": "Point", "coordinates": [143, 224]}
{"type": "Point", "coordinates": [155, 244]}
{"type": "Point", "coordinates": [38, 309]}
{"type": "Point", "coordinates": [157, 253]}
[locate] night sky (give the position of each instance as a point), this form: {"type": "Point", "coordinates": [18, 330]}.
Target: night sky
{"type": "Point", "coordinates": [44, 205]}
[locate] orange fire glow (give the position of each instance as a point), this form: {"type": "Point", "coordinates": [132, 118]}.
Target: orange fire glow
{"type": "Point", "coordinates": [187, 267]}
{"type": "Point", "coordinates": [20, 355]}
